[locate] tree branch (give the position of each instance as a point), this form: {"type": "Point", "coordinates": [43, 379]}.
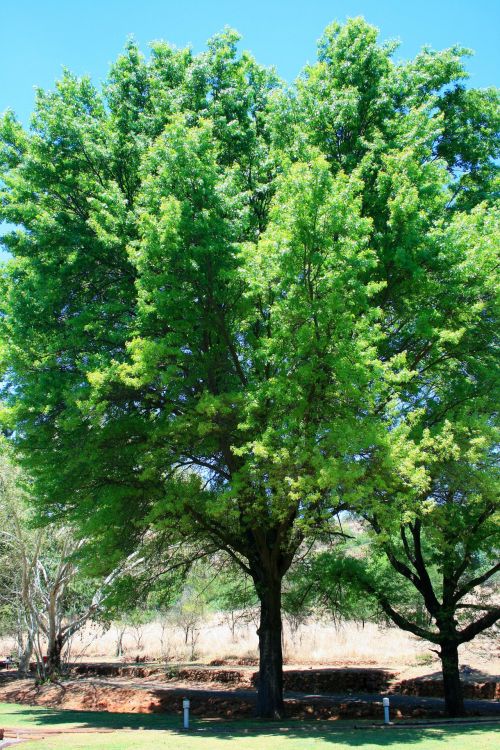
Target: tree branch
{"type": "Point", "coordinates": [476, 582]}
{"type": "Point", "coordinates": [486, 621]}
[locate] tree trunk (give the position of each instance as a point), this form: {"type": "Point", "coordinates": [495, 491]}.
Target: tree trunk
{"type": "Point", "coordinates": [120, 635]}
{"type": "Point", "coordinates": [54, 656]}
{"type": "Point", "coordinates": [232, 625]}
{"type": "Point", "coordinates": [270, 689]}
{"type": "Point", "coordinates": [453, 695]}
{"type": "Point", "coordinates": [25, 655]}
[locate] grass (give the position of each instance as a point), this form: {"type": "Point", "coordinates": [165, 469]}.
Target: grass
{"type": "Point", "coordinates": [315, 642]}
{"type": "Point", "coordinates": [148, 731]}
{"type": "Point", "coordinates": [35, 717]}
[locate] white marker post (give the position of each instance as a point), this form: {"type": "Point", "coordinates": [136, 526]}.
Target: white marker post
{"type": "Point", "coordinates": [385, 703]}
{"type": "Point", "coordinates": [185, 706]}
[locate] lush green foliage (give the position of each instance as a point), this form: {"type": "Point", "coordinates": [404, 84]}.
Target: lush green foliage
{"type": "Point", "coordinates": [218, 288]}
{"type": "Point", "coordinates": [236, 308]}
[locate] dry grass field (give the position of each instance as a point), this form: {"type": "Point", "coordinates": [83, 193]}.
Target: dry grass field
{"type": "Point", "coordinates": [313, 643]}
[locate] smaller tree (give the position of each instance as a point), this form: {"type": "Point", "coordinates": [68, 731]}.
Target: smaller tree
{"type": "Point", "coordinates": [330, 582]}
{"type": "Point", "coordinates": [450, 527]}
{"type": "Point", "coordinates": [187, 615]}
{"type": "Point", "coordinates": [19, 552]}
{"type": "Point", "coordinates": [60, 600]}
{"type": "Point", "coordinates": [297, 604]}
{"type": "Point", "coordinates": [137, 619]}
{"type": "Point", "coordinates": [434, 548]}
{"type": "Point", "coordinates": [232, 594]}
{"type": "Point", "coordinates": [43, 586]}
{"type": "Point", "coordinates": [120, 629]}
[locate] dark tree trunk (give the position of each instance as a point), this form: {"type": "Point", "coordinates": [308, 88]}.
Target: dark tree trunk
{"type": "Point", "coordinates": [453, 695]}
{"type": "Point", "coordinates": [270, 688]}
{"type": "Point", "coordinates": [54, 656]}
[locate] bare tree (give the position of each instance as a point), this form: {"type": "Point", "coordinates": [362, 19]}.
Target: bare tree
{"type": "Point", "coordinates": [50, 602]}
{"type": "Point", "coordinates": [41, 580]}
{"type": "Point", "coordinates": [20, 549]}
{"type": "Point", "coordinates": [187, 615]}
{"type": "Point", "coordinates": [120, 630]}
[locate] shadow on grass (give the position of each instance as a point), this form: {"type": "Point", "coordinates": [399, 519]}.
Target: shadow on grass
{"type": "Point", "coordinates": [39, 717]}
{"type": "Point", "coordinates": [342, 734]}
{"type": "Point", "coordinates": [352, 734]}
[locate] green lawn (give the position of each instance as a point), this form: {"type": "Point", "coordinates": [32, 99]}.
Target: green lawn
{"type": "Point", "coordinates": [144, 732]}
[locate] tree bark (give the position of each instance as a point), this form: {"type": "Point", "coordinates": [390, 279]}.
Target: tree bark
{"type": "Point", "coordinates": [119, 643]}
{"type": "Point", "coordinates": [25, 655]}
{"type": "Point", "coordinates": [54, 656]}
{"type": "Point", "coordinates": [270, 688]}
{"type": "Point", "coordinates": [453, 694]}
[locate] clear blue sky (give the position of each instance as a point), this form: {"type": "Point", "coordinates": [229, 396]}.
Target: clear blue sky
{"type": "Point", "coordinates": [39, 37]}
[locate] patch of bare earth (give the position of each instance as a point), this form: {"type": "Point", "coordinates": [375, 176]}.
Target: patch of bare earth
{"type": "Point", "coordinates": [225, 692]}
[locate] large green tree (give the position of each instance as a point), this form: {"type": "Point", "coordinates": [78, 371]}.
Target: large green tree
{"type": "Point", "coordinates": [225, 293]}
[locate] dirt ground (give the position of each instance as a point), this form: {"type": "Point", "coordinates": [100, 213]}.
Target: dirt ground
{"type": "Point", "coordinates": [228, 692]}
